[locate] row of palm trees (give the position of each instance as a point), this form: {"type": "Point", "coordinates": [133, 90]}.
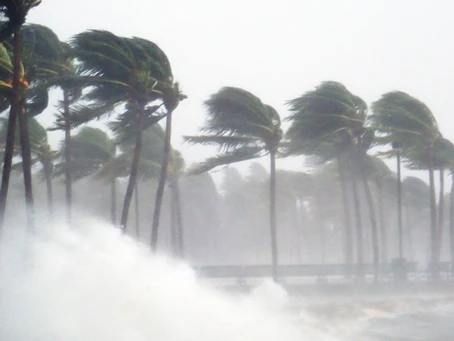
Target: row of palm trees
{"type": "Point", "coordinates": [329, 124]}
{"type": "Point", "coordinates": [130, 81]}
{"type": "Point", "coordinates": [100, 74]}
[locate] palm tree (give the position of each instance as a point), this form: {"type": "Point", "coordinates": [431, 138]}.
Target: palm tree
{"type": "Point", "coordinates": [172, 98]}
{"type": "Point", "coordinates": [92, 149]}
{"type": "Point", "coordinates": [41, 153]}
{"type": "Point", "coordinates": [326, 123]}
{"type": "Point", "coordinates": [40, 52]}
{"type": "Point", "coordinates": [149, 163]}
{"type": "Point", "coordinates": [15, 12]}
{"type": "Point", "coordinates": [128, 74]}
{"type": "Point", "coordinates": [441, 159]}
{"type": "Point", "coordinates": [366, 165]}
{"type": "Point", "coordinates": [415, 198]}
{"type": "Point", "coordinates": [397, 117]}
{"type": "Point", "coordinates": [71, 93]}
{"type": "Point", "coordinates": [176, 169]}
{"type": "Point", "coordinates": [380, 174]}
{"type": "Point", "coordinates": [243, 128]}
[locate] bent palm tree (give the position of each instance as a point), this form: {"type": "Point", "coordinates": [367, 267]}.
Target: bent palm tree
{"type": "Point", "coordinates": [15, 12]}
{"type": "Point", "coordinates": [92, 149]}
{"type": "Point", "coordinates": [41, 152]}
{"type": "Point", "coordinates": [327, 123]}
{"type": "Point", "coordinates": [243, 128]}
{"type": "Point", "coordinates": [128, 74]}
{"type": "Point", "coordinates": [398, 117]}
{"type": "Point", "coordinates": [71, 93]}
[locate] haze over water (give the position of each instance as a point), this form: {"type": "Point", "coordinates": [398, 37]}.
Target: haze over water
{"type": "Point", "coordinates": [93, 284]}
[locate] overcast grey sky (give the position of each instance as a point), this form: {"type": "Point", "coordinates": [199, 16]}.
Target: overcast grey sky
{"type": "Point", "coordinates": [280, 49]}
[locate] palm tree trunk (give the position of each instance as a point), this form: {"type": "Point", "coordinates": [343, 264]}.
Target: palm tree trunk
{"type": "Point", "coordinates": [162, 182]}
{"type": "Point", "coordinates": [433, 218]}
{"type": "Point", "coordinates": [12, 123]}
{"type": "Point", "coordinates": [451, 218]}
{"type": "Point", "coordinates": [134, 169]}
{"type": "Point", "coordinates": [113, 202]}
{"type": "Point", "coordinates": [50, 195]}
{"type": "Point", "coordinates": [27, 167]}
{"type": "Point", "coordinates": [24, 138]}
{"type": "Point", "coordinates": [409, 233]}
{"type": "Point", "coordinates": [67, 152]}
{"type": "Point", "coordinates": [298, 229]}
{"type": "Point", "coordinates": [346, 210]}
{"type": "Point", "coordinates": [173, 219]}
{"type": "Point", "coordinates": [359, 228]}
{"type": "Point", "coordinates": [305, 231]}
{"type": "Point", "coordinates": [179, 216]}
{"type": "Point", "coordinates": [383, 234]}
{"type": "Point", "coordinates": [441, 214]}
{"type": "Point", "coordinates": [373, 223]}
{"type": "Point", "coordinates": [273, 231]}
{"type": "Point", "coordinates": [137, 210]}
{"type": "Point", "coordinates": [322, 230]}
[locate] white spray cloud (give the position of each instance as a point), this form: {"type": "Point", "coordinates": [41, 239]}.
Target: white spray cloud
{"type": "Point", "coordinates": [94, 284]}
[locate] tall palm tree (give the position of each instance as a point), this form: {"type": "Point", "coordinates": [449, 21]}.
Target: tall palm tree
{"type": "Point", "coordinates": [243, 128]}
{"type": "Point", "coordinates": [40, 52]}
{"type": "Point", "coordinates": [92, 149]}
{"type": "Point", "coordinates": [15, 12]}
{"type": "Point", "coordinates": [128, 74]}
{"type": "Point", "coordinates": [398, 117]}
{"type": "Point", "coordinates": [172, 98]}
{"type": "Point", "coordinates": [176, 169]}
{"type": "Point", "coordinates": [41, 153]}
{"type": "Point", "coordinates": [364, 141]}
{"type": "Point", "coordinates": [443, 154]}
{"type": "Point", "coordinates": [415, 199]}
{"type": "Point", "coordinates": [325, 123]}
{"type": "Point", "coordinates": [380, 174]}
{"type": "Point", "coordinates": [72, 91]}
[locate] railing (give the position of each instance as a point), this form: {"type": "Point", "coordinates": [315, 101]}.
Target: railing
{"type": "Point", "coordinates": [300, 270]}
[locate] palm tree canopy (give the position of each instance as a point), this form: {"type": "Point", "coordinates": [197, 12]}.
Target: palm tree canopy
{"type": "Point", "coordinates": [6, 76]}
{"type": "Point", "coordinates": [40, 148]}
{"type": "Point", "coordinates": [151, 156]}
{"type": "Point", "coordinates": [378, 170]}
{"type": "Point", "coordinates": [417, 157]}
{"type": "Point", "coordinates": [398, 117]}
{"type": "Point", "coordinates": [324, 121]}
{"type": "Point", "coordinates": [91, 148]}
{"type": "Point", "coordinates": [40, 53]}
{"type": "Point", "coordinates": [240, 125]}
{"type": "Point", "coordinates": [415, 193]}
{"type": "Point", "coordinates": [121, 70]}
{"type": "Point", "coordinates": [13, 14]}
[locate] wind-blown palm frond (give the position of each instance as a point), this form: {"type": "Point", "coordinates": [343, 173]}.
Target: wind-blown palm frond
{"type": "Point", "coordinates": [403, 119]}
{"type": "Point", "coordinates": [125, 127]}
{"type": "Point", "coordinates": [236, 155]}
{"type": "Point", "coordinates": [135, 68]}
{"type": "Point", "coordinates": [223, 142]}
{"type": "Point", "coordinates": [234, 111]}
{"type": "Point", "coordinates": [240, 125]}
{"type": "Point", "coordinates": [13, 14]}
{"type": "Point", "coordinates": [91, 148]}
{"type": "Point", "coordinates": [324, 121]}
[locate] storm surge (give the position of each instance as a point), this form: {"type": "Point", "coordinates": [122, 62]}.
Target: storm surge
{"type": "Point", "coordinates": [91, 283]}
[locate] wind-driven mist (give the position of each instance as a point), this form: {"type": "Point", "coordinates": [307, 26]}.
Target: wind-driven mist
{"type": "Point", "coordinates": [92, 283]}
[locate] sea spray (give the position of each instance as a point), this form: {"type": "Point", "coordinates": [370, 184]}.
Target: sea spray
{"type": "Point", "coordinates": [91, 283]}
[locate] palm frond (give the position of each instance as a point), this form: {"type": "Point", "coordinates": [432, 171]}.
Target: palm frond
{"type": "Point", "coordinates": [237, 155]}
{"type": "Point", "coordinates": [224, 143]}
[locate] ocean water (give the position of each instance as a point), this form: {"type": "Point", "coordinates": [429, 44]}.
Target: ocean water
{"type": "Point", "coordinates": [93, 284]}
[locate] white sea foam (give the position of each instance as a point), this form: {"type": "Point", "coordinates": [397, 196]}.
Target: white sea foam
{"type": "Point", "coordinates": [93, 284]}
